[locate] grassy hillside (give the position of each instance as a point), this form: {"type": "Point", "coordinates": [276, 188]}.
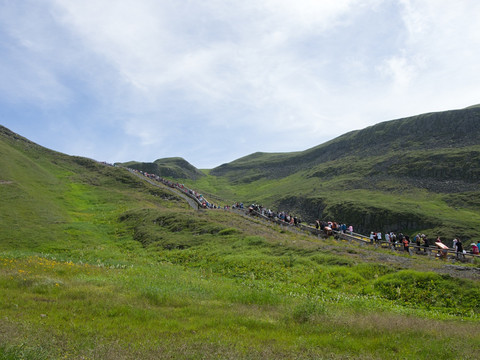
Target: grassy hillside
{"type": "Point", "coordinates": [177, 168]}
{"type": "Point", "coordinates": [97, 264]}
{"type": "Point", "coordinates": [444, 130]}
{"type": "Point", "coordinates": [415, 174]}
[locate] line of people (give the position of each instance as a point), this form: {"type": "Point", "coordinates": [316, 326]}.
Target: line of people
{"type": "Point", "coordinates": [282, 216]}
{"type": "Point", "coordinates": [328, 227]}
{"type": "Point", "coordinates": [201, 199]}
{"type": "Point", "coordinates": [421, 241]}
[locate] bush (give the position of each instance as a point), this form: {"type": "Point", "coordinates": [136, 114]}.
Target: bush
{"type": "Point", "coordinates": [429, 289]}
{"type": "Point", "coordinates": [255, 241]}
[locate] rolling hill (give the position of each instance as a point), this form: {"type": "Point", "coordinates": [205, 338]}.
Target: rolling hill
{"type": "Point", "coordinates": [450, 130]}
{"type": "Point", "coordinates": [177, 168]}
{"type": "Point", "coordinates": [96, 263]}
{"type": "Point", "coordinates": [420, 173]}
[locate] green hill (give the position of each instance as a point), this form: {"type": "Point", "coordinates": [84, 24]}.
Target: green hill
{"type": "Point", "coordinates": [96, 263]}
{"type": "Point", "coordinates": [414, 174]}
{"type": "Point", "coordinates": [54, 201]}
{"type": "Point", "coordinates": [177, 168]}
{"type": "Point", "coordinates": [456, 129]}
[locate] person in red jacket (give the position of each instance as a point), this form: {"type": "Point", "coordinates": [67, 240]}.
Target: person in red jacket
{"type": "Point", "coordinates": [474, 249]}
{"type": "Point", "coordinates": [406, 243]}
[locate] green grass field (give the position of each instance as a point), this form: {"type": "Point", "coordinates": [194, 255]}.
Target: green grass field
{"type": "Point", "coordinates": [96, 264]}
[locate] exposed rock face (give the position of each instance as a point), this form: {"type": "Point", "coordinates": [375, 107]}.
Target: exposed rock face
{"type": "Point", "coordinates": [364, 218]}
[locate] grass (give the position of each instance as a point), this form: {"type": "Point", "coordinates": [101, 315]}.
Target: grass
{"type": "Point", "coordinates": [92, 308]}
{"type": "Point", "coordinates": [96, 264]}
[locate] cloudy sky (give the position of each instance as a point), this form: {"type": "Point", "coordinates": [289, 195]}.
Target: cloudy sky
{"type": "Point", "coordinates": [214, 80]}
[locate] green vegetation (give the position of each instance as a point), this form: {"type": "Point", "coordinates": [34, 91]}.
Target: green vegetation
{"type": "Point", "coordinates": [177, 168]}
{"type": "Point", "coordinates": [97, 264]}
{"type": "Point", "coordinates": [418, 174]}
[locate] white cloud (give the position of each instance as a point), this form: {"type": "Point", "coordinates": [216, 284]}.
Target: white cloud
{"type": "Point", "coordinates": [284, 75]}
{"type": "Point", "coordinates": [401, 70]}
{"type": "Point", "coordinates": [27, 74]}
{"type": "Point", "coordinates": [155, 53]}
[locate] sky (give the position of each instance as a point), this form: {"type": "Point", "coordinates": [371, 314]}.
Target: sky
{"type": "Point", "coordinates": [214, 80]}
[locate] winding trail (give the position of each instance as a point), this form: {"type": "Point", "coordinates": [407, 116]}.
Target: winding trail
{"type": "Point", "coordinates": [354, 237]}
{"type": "Point", "coordinates": [179, 193]}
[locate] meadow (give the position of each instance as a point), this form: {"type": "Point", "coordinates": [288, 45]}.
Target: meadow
{"type": "Point", "coordinates": [97, 264]}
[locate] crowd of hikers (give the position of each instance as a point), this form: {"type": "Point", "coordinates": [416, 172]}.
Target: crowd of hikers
{"type": "Point", "coordinates": [420, 242]}
{"type": "Point", "coordinates": [280, 216]}
{"type": "Point", "coordinates": [204, 203]}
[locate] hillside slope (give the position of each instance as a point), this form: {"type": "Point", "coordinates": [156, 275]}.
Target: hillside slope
{"type": "Point", "coordinates": [450, 130]}
{"type": "Point", "coordinates": [176, 167]}
{"type": "Point", "coordinates": [415, 174]}
{"type": "Point", "coordinates": [50, 199]}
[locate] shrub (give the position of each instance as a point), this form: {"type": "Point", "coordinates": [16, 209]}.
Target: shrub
{"type": "Point", "coordinates": [255, 240]}
{"type": "Point", "coordinates": [429, 289]}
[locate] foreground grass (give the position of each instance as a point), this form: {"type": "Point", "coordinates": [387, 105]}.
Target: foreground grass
{"type": "Point", "coordinates": [53, 309]}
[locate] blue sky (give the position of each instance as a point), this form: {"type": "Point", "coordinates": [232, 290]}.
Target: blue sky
{"type": "Point", "coordinates": [215, 80]}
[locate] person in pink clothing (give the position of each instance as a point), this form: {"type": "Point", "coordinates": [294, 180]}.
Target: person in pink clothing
{"type": "Point", "coordinates": [474, 249]}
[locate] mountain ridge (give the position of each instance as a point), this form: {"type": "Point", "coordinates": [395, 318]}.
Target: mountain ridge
{"type": "Point", "coordinates": [422, 131]}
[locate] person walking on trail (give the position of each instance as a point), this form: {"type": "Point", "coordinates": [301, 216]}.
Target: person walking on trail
{"type": "Point", "coordinates": [459, 248]}
{"type": "Point", "coordinates": [425, 242]}
{"type": "Point", "coordinates": [406, 243]}
{"type": "Point", "coordinates": [474, 249]}
{"type": "Point", "coordinates": [418, 242]}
